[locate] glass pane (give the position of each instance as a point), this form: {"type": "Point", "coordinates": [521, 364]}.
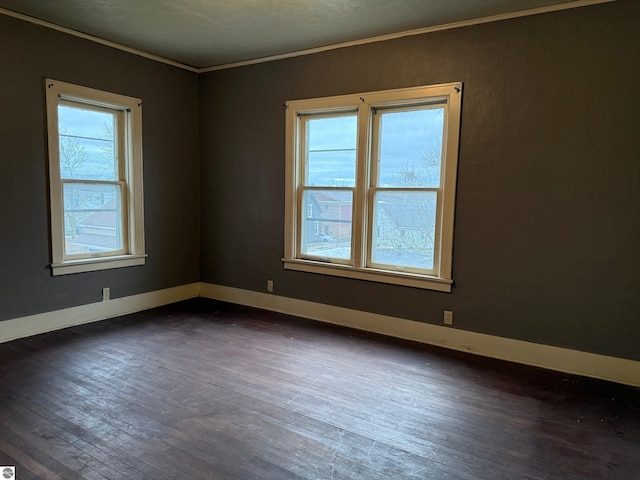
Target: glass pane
{"type": "Point", "coordinates": [88, 148]}
{"type": "Point", "coordinates": [92, 218]}
{"type": "Point", "coordinates": [331, 151]}
{"type": "Point", "coordinates": [326, 223]}
{"type": "Point", "coordinates": [410, 147]}
{"type": "Point", "coordinates": [404, 225]}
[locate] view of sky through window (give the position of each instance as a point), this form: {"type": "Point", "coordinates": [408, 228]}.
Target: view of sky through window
{"type": "Point", "coordinates": [87, 144]}
{"type": "Point", "coordinates": [331, 151]}
{"type": "Point", "coordinates": [410, 149]}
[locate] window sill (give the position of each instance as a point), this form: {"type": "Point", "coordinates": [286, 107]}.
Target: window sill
{"type": "Point", "coordinates": [95, 264]}
{"type": "Point", "coordinates": [370, 274]}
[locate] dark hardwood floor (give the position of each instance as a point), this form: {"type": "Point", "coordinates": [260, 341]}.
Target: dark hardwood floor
{"type": "Point", "coordinates": [206, 390]}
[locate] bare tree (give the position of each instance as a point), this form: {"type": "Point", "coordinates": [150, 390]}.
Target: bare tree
{"type": "Point", "coordinates": [73, 155]}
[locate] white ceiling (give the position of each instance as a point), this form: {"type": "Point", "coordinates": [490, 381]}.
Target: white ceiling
{"type": "Point", "coordinates": [209, 33]}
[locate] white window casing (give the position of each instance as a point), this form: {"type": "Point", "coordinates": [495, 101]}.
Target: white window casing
{"type": "Point", "coordinates": [126, 229]}
{"type": "Point", "coordinates": [356, 258]}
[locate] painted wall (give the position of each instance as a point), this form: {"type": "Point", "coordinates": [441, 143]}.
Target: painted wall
{"type": "Point", "coordinates": [28, 53]}
{"type": "Point", "coordinates": [548, 203]}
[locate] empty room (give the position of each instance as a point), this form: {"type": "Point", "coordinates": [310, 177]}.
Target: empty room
{"type": "Point", "coordinates": [319, 239]}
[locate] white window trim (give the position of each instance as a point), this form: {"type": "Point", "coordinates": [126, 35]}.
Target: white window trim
{"type": "Point", "coordinates": [363, 103]}
{"type": "Point", "coordinates": [132, 108]}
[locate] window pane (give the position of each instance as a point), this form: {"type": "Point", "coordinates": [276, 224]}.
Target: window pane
{"type": "Point", "coordinates": [404, 225]}
{"type": "Point", "coordinates": [331, 151]}
{"type": "Point", "coordinates": [92, 218]}
{"type": "Point", "coordinates": [87, 144]}
{"type": "Point", "coordinates": [410, 147]}
{"type": "Point", "coordinates": [326, 227]}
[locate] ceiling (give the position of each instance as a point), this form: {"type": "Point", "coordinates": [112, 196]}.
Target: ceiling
{"type": "Point", "coordinates": [210, 33]}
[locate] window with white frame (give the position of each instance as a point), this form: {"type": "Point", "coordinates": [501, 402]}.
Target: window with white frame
{"type": "Point", "coordinates": [95, 172]}
{"type": "Point", "coordinates": [378, 172]}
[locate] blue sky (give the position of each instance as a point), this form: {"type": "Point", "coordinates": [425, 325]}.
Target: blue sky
{"type": "Point", "coordinates": [87, 135]}
{"type": "Point", "coordinates": [406, 135]}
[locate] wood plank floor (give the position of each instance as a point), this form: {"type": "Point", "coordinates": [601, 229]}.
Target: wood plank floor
{"type": "Point", "coordinates": [207, 390]}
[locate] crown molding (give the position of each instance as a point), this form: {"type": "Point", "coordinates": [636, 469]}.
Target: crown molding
{"type": "Point", "coordinates": [101, 41]}
{"type": "Point", "coordinates": [419, 31]}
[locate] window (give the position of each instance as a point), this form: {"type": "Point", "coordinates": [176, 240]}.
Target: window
{"type": "Point", "coordinates": [378, 171]}
{"type": "Point", "coordinates": [95, 171]}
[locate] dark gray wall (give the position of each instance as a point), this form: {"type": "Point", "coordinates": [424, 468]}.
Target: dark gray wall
{"type": "Point", "coordinates": [547, 221]}
{"type": "Point", "coordinates": [548, 203]}
{"type": "Point", "coordinates": [171, 168]}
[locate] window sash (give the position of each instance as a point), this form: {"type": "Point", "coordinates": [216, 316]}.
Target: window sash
{"type": "Point", "coordinates": [371, 234]}
{"type": "Point", "coordinates": [301, 220]}
{"type": "Point", "coordinates": [121, 224]}
{"type": "Point", "coordinates": [120, 133]}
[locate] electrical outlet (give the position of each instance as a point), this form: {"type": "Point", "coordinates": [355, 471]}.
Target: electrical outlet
{"type": "Point", "coordinates": [448, 317]}
{"type": "Point", "coordinates": [270, 286]}
{"type": "Point", "coordinates": [106, 294]}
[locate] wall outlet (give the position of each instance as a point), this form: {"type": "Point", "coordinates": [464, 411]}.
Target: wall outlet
{"type": "Point", "coordinates": [106, 294]}
{"type": "Point", "coordinates": [270, 286]}
{"type": "Point", "coordinates": [448, 317]}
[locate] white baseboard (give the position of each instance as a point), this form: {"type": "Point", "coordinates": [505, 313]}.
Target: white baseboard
{"type": "Point", "coordinates": [554, 358]}
{"type": "Point", "coordinates": [68, 317]}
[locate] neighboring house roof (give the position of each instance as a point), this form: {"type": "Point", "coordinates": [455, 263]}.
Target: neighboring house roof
{"type": "Point", "coordinates": [106, 218]}
{"type": "Point", "coordinates": [402, 216]}
{"type": "Point", "coordinates": [333, 197]}
{"type": "Point", "coordinates": [99, 229]}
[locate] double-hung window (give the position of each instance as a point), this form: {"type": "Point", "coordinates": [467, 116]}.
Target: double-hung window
{"type": "Point", "coordinates": [370, 185]}
{"type": "Point", "coordinates": [95, 172]}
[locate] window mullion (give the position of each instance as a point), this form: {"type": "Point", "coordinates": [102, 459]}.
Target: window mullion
{"type": "Point", "coordinates": [362, 182]}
